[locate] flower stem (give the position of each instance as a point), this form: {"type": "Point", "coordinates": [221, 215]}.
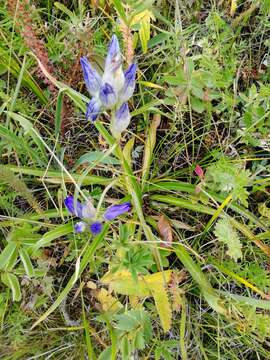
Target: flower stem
{"type": "Point", "coordinates": [133, 188]}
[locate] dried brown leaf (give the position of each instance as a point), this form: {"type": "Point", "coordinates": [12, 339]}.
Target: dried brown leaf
{"type": "Point", "coordinates": [165, 230]}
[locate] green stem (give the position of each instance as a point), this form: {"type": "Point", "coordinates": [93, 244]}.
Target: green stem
{"type": "Point", "coordinates": [133, 188]}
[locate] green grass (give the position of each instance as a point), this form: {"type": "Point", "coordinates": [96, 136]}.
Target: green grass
{"type": "Point", "coordinates": [201, 99]}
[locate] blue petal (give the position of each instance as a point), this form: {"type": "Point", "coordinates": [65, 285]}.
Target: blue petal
{"type": "Point", "coordinates": [107, 95]}
{"type": "Point", "coordinates": [80, 227]}
{"type": "Point", "coordinates": [129, 85]}
{"type": "Point", "coordinates": [91, 77]}
{"type": "Point", "coordinates": [113, 73]}
{"type": "Point", "coordinates": [96, 228]}
{"type": "Point", "coordinates": [74, 210]}
{"type": "Point", "coordinates": [93, 109]}
{"type": "Point", "coordinates": [113, 211]}
{"type": "Point", "coordinates": [113, 60]}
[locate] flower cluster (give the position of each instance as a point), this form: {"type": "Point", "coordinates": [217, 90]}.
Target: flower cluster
{"type": "Point", "coordinates": [87, 213]}
{"type": "Point", "coordinates": [112, 90]}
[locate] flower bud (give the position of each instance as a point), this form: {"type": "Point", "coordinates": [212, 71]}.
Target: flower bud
{"type": "Point", "coordinates": [96, 228]}
{"type": "Point", "coordinates": [93, 109]}
{"type": "Point", "coordinates": [115, 210]}
{"type": "Point", "coordinates": [129, 84]}
{"type": "Point", "coordinates": [80, 227]}
{"type": "Point", "coordinates": [121, 120]}
{"type": "Point", "coordinates": [113, 73]}
{"type": "Point", "coordinates": [74, 207]}
{"type": "Point", "coordinates": [113, 60]}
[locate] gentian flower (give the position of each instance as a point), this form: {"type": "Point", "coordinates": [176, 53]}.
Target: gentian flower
{"type": "Point", "coordinates": [112, 90]}
{"type": "Point", "coordinates": [87, 213]}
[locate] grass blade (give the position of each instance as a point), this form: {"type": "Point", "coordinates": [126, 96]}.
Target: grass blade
{"type": "Point", "coordinates": [85, 261]}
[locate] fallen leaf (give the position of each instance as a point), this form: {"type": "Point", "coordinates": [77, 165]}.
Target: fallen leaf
{"type": "Point", "coordinates": [91, 285]}
{"type": "Point", "coordinates": [165, 230]}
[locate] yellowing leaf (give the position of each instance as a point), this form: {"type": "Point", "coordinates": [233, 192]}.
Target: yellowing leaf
{"type": "Point", "coordinates": [264, 210]}
{"type": "Point", "coordinates": [108, 302]}
{"type": "Point", "coordinates": [163, 307]}
{"type": "Point", "coordinates": [123, 283]}
{"type": "Point", "coordinates": [143, 15]}
{"type": "Point", "coordinates": [233, 7]}
{"type": "Point", "coordinates": [153, 285]}
{"type": "Point", "coordinates": [149, 146]}
{"type": "Point", "coordinates": [151, 85]}
{"type": "Point", "coordinates": [144, 34]}
{"type": "Point", "coordinates": [143, 19]}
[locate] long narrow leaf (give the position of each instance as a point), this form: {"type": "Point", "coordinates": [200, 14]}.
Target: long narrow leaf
{"type": "Point", "coordinates": [26, 262]}
{"type": "Point", "coordinates": [51, 235]}
{"type": "Point", "coordinates": [198, 276]}
{"type": "Point", "coordinates": [87, 257]}
{"type": "Point", "coordinates": [7, 253]}
{"type": "Point", "coordinates": [12, 282]}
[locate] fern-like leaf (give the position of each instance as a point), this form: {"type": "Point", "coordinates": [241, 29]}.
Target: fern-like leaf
{"type": "Point", "coordinates": [226, 234]}
{"type": "Point", "coordinates": [19, 186]}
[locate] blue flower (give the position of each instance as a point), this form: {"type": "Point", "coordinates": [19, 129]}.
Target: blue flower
{"type": "Point", "coordinates": [87, 213]}
{"type": "Point", "coordinates": [115, 210]}
{"type": "Point", "coordinates": [111, 90]}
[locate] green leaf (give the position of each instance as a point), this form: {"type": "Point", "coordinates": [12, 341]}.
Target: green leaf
{"type": "Point", "coordinates": [12, 282]}
{"type": "Point", "coordinates": [198, 276]}
{"type": "Point", "coordinates": [125, 348]}
{"type": "Point", "coordinates": [26, 262]}
{"type": "Point", "coordinates": [51, 235]}
{"type": "Point", "coordinates": [126, 322]}
{"type": "Point", "coordinates": [14, 67]}
{"type": "Point", "coordinates": [97, 157]}
{"type": "Point", "coordinates": [197, 105]}
{"type": "Point", "coordinates": [64, 9]}
{"type": "Point", "coordinates": [106, 354]}
{"type": "Point", "coordinates": [20, 145]}
{"type": "Point", "coordinates": [7, 253]}
{"type": "Point", "coordinates": [144, 34]}
{"type": "Point", "coordinates": [29, 128]}
{"type": "Point", "coordinates": [58, 113]}
{"type": "Point", "coordinates": [226, 177]}
{"type": "Point", "coordinates": [226, 234]}
{"type": "Point", "coordinates": [120, 9]}
{"type": "Point", "coordinates": [58, 177]}
{"type": "Point", "coordinates": [178, 79]}
{"type": "Point", "coordinates": [256, 303]}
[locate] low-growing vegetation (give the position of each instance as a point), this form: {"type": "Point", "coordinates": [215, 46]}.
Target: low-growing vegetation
{"type": "Point", "coordinates": [134, 176]}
